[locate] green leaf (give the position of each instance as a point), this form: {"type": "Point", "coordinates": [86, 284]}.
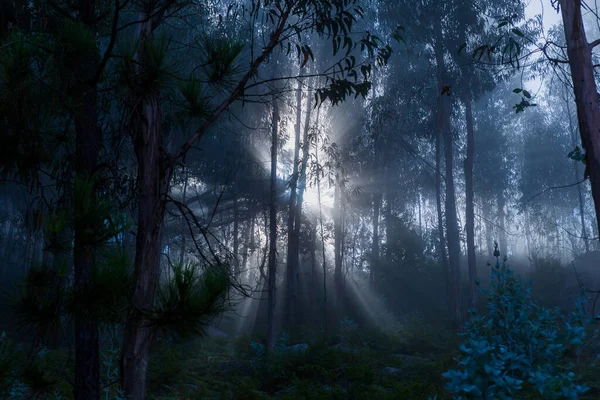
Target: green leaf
{"type": "Point", "coordinates": [517, 90]}
{"type": "Point", "coordinates": [517, 32]}
{"type": "Point", "coordinates": [461, 47]}
{"type": "Point", "coordinates": [526, 94]}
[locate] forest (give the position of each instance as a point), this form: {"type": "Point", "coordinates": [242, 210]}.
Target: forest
{"type": "Point", "coordinates": [299, 199]}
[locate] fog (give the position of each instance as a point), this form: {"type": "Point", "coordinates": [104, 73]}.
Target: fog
{"type": "Point", "coordinates": [266, 188]}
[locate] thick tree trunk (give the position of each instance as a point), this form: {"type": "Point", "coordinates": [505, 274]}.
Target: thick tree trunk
{"type": "Point", "coordinates": [87, 147]}
{"type": "Point", "coordinates": [577, 177]}
{"type": "Point", "coordinates": [152, 186]}
{"type": "Point", "coordinates": [586, 96]}
{"type": "Point", "coordinates": [470, 206]}
{"type": "Point", "coordinates": [272, 273]}
{"type": "Point", "coordinates": [153, 179]}
{"type": "Point", "coordinates": [291, 276]}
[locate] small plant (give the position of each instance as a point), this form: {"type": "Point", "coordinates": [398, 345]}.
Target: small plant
{"type": "Point", "coordinates": [518, 347]}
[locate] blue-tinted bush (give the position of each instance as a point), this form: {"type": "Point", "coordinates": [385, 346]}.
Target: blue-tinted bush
{"type": "Point", "coordinates": [518, 347]}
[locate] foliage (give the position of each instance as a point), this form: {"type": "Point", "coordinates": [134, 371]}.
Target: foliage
{"type": "Point", "coordinates": [518, 347]}
{"type": "Point", "coordinates": [191, 298]}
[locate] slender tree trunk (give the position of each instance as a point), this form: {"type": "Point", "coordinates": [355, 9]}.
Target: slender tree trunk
{"type": "Point", "coordinates": [183, 219]}
{"type": "Point", "coordinates": [489, 229]}
{"type": "Point", "coordinates": [291, 295]}
{"type": "Point", "coordinates": [236, 237]}
{"type": "Point", "coordinates": [586, 96]}
{"type": "Point", "coordinates": [375, 245]}
{"type": "Point", "coordinates": [501, 222]}
{"type": "Point", "coordinates": [338, 240]}
{"type": "Point", "coordinates": [87, 147]}
{"type": "Point", "coordinates": [325, 322]}
{"type": "Point", "coordinates": [248, 245]}
{"type": "Point", "coordinates": [273, 229]}
{"type": "Point", "coordinates": [470, 206]}
{"type": "Point", "coordinates": [450, 203]}
{"type": "Point", "coordinates": [440, 219]}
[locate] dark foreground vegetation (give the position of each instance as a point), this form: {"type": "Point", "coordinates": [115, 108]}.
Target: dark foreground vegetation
{"type": "Point", "coordinates": [512, 347]}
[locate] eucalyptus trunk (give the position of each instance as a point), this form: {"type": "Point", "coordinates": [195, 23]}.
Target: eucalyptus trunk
{"type": "Point", "coordinates": [579, 53]}
{"type": "Point", "coordinates": [337, 249]}
{"type": "Point", "coordinates": [291, 295]}
{"type": "Point", "coordinates": [470, 206]}
{"type": "Point", "coordinates": [452, 232]}
{"type": "Point", "coordinates": [272, 269]}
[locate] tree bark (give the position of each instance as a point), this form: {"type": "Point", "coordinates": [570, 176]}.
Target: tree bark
{"type": "Point", "coordinates": [272, 272]}
{"type": "Point", "coordinates": [586, 97]}
{"type": "Point", "coordinates": [338, 240]}
{"type": "Point", "coordinates": [470, 206]}
{"type": "Point", "coordinates": [577, 177]}
{"type": "Point", "coordinates": [375, 245]}
{"type": "Point", "coordinates": [450, 203]}
{"type": "Point", "coordinates": [236, 237]}
{"type": "Point", "coordinates": [501, 222]}
{"type": "Point", "coordinates": [153, 178]}
{"type": "Point", "coordinates": [291, 295]}
{"type": "Point", "coordinates": [87, 147]}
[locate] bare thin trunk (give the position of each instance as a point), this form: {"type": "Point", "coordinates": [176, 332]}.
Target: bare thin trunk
{"type": "Point", "coordinates": [273, 229]}
{"type": "Point", "coordinates": [236, 237]}
{"type": "Point", "coordinates": [470, 206]}
{"type": "Point", "coordinates": [291, 295]}
{"type": "Point", "coordinates": [375, 244]}
{"type": "Point", "coordinates": [338, 240]}
{"type": "Point", "coordinates": [322, 241]}
{"type": "Point", "coordinates": [502, 222]}
{"type": "Point", "coordinates": [450, 203]}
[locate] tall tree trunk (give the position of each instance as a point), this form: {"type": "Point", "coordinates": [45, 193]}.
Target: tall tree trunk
{"type": "Point", "coordinates": [87, 147]}
{"type": "Point", "coordinates": [586, 96]}
{"type": "Point", "coordinates": [273, 229]}
{"type": "Point", "coordinates": [248, 243]}
{"type": "Point", "coordinates": [577, 177]}
{"type": "Point", "coordinates": [375, 245]}
{"type": "Point", "coordinates": [470, 206]}
{"type": "Point", "coordinates": [325, 322]}
{"type": "Point", "coordinates": [291, 276]}
{"type": "Point", "coordinates": [501, 222]}
{"type": "Point", "coordinates": [301, 189]}
{"type": "Point", "coordinates": [153, 177]}
{"type": "Point", "coordinates": [236, 237]}
{"type": "Point", "coordinates": [338, 240]}
{"type": "Point", "coordinates": [183, 218]}
{"type": "Point", "coordinates": [440, 219]}
{"type": "Point", "coordinates": [489, 229]}
{"type": "Point", "coordinates": [450, 203]}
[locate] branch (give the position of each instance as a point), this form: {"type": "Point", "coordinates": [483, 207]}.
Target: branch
{"type": "Point", "coordinates": [239, 90]}
{"type": "Point", "coordinates": [594, 44]}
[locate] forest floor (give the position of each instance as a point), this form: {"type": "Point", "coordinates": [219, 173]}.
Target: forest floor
{"type": "Point", "coordinates": [362, 365]}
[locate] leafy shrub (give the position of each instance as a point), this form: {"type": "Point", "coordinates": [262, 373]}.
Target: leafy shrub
{"type": "Point", "coordinates": [518, 347]}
